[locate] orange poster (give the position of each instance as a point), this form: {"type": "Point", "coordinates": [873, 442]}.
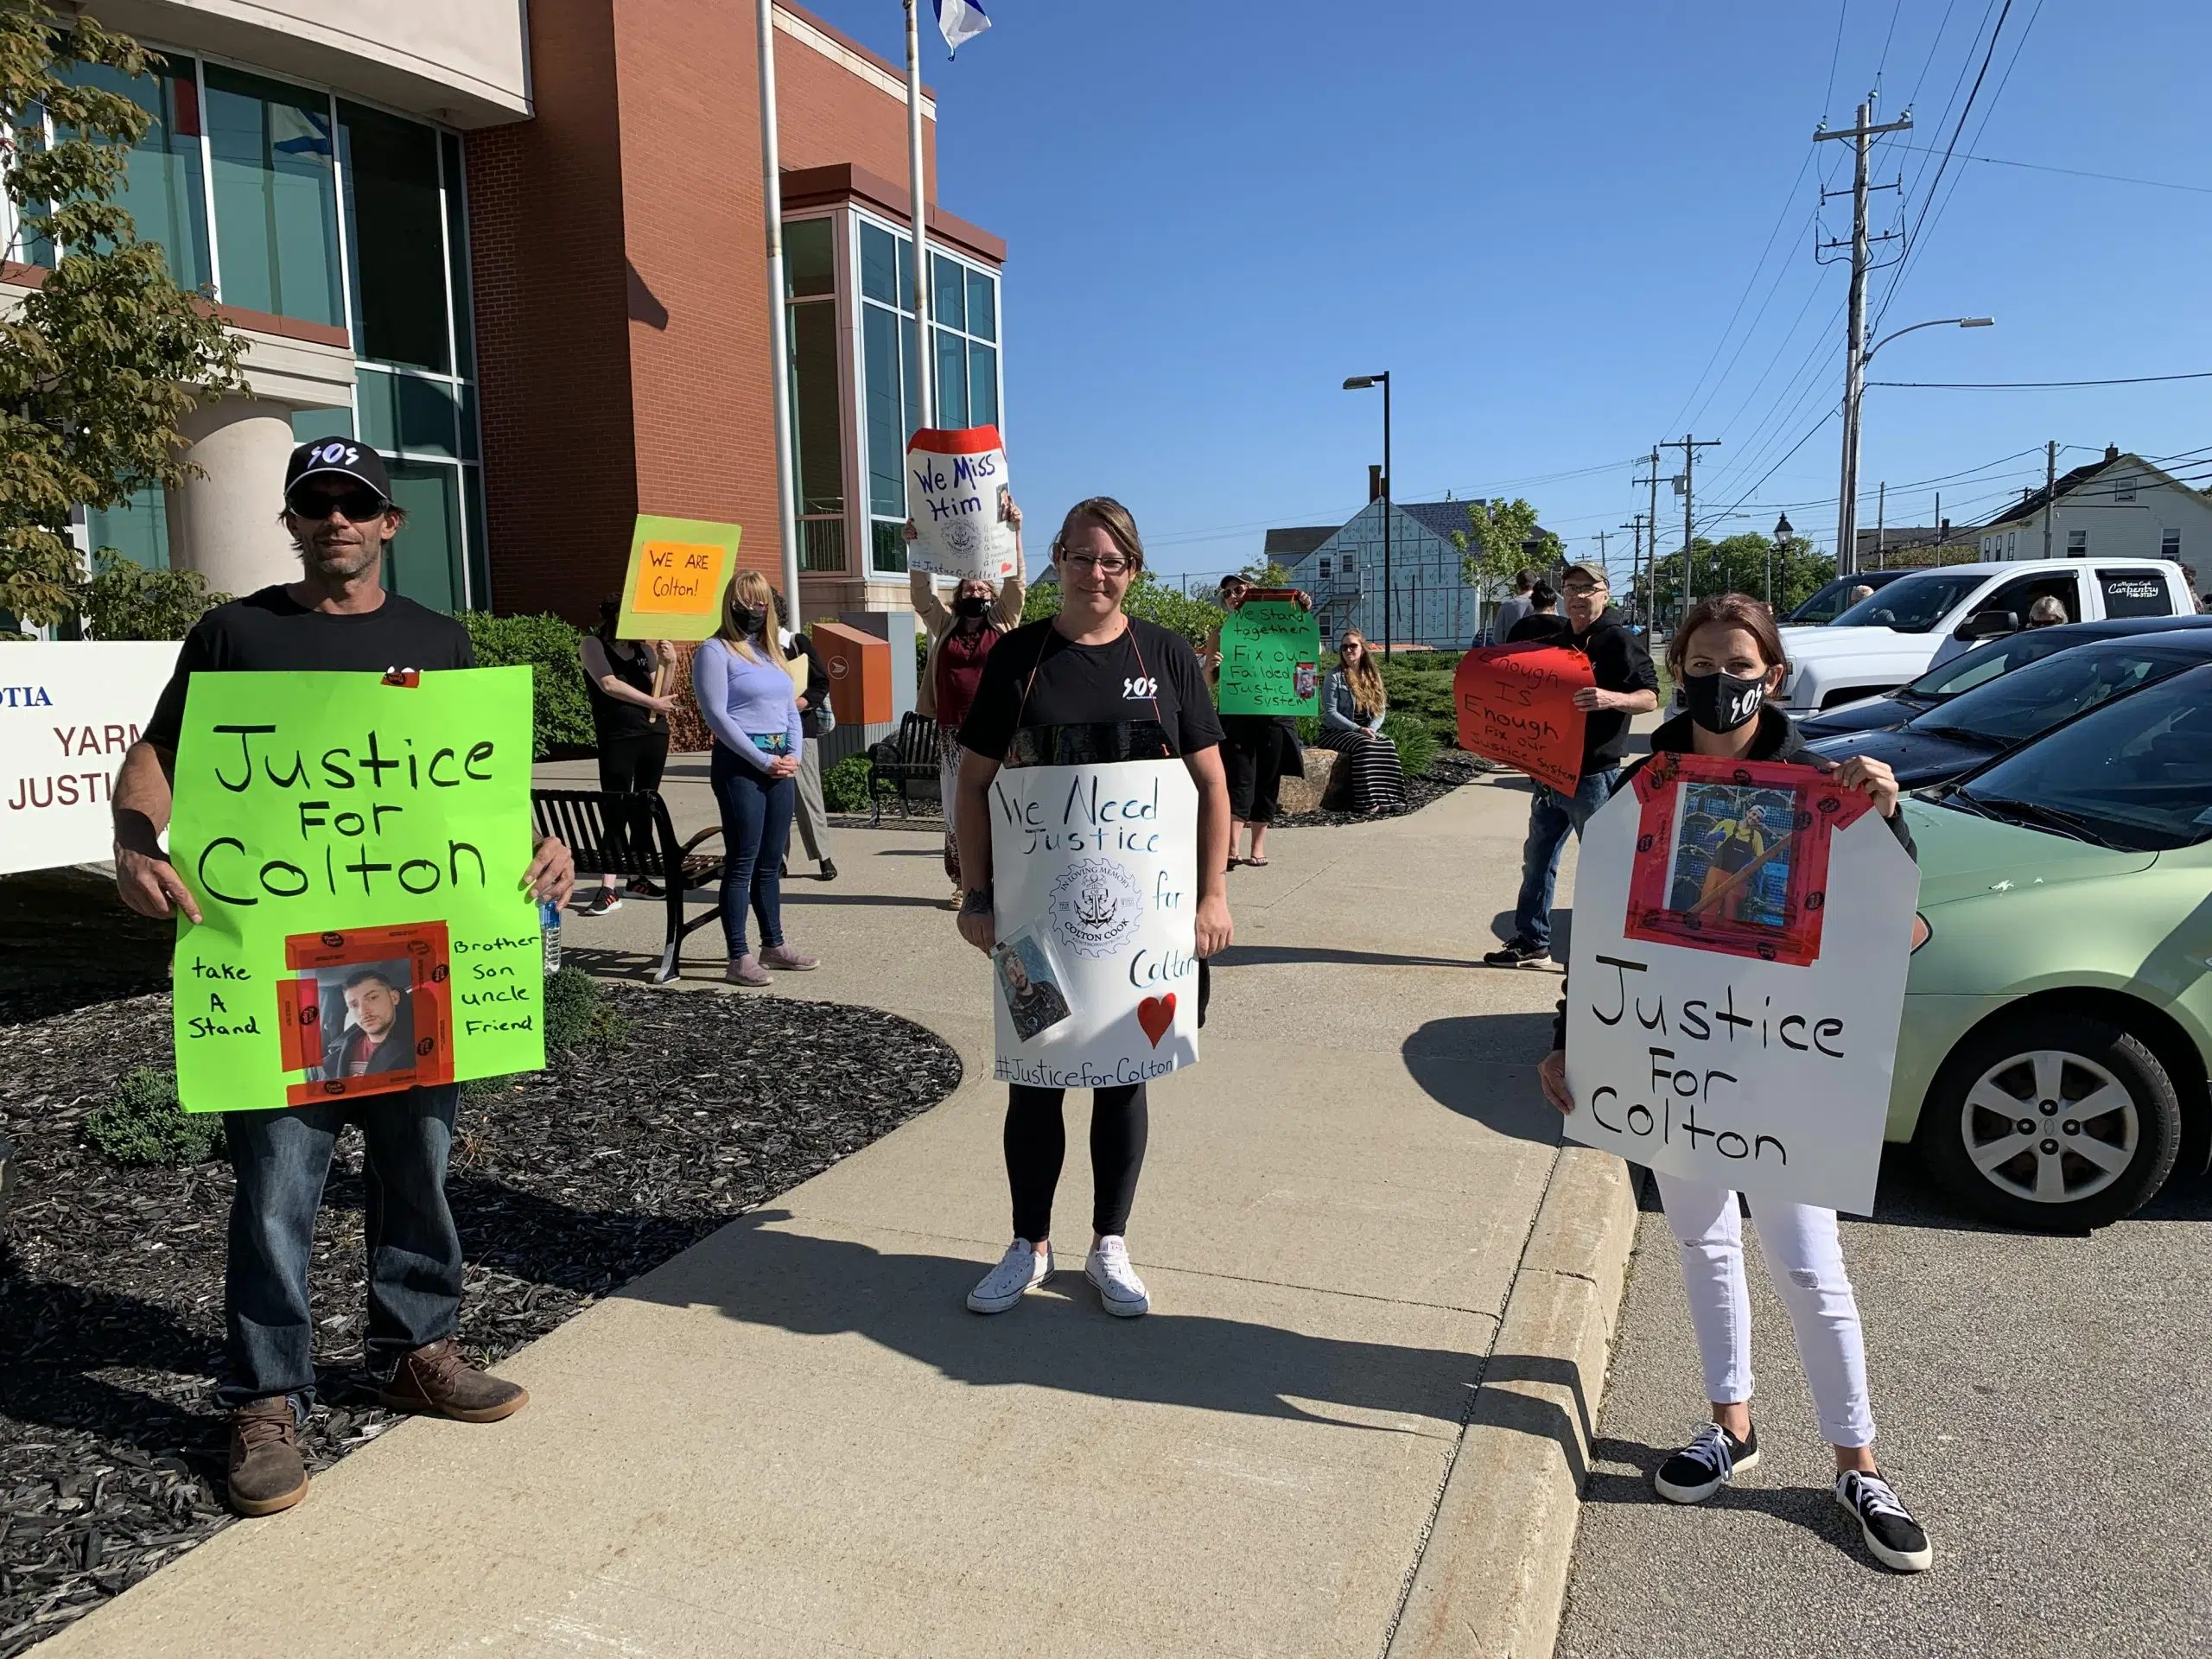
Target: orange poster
{"type": "Point", "coordinates": [1516, 706]}
{"type": "Point", "coordinates": [679, 570]}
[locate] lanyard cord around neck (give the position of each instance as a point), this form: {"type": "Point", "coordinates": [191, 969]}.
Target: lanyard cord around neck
{"type": "Point", "coordinates": [1128, 632]}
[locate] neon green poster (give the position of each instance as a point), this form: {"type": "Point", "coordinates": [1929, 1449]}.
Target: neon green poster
{"type": "Point", "coordinates": [357, 847]}
{"type": "Point", "coordinates": [679, 568]}
{"type": "Point", "coordinates": [1270, 659]}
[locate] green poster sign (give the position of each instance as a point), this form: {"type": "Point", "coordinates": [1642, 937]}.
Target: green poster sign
{"type": "Point", "coordinates": [1270, 659]}
{"type": "Point", "coordinates": [679, 568]}
{"type": "Point", "coordinates": [357, 847]}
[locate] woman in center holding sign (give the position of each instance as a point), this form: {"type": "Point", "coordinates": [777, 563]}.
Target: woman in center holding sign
{"type": "Point", "coordinates": [1096, 877]}
{"type": "Point", "coordinates": [1727, 658]}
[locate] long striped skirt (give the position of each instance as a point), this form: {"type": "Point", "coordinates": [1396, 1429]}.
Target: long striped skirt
{"type": "Point", "coordinates": [1374, 781]}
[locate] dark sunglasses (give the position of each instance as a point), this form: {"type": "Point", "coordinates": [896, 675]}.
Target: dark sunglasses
{"type": "Point", "coordinates": [360, 506]}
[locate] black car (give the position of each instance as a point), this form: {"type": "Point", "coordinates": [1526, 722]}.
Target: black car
{"type": "Point", "coordinates": [1977, 667]}
{"type": "Point", "coordinates": [1974, 727]}
{"type": "Point", "coordinates": [1833, 598]}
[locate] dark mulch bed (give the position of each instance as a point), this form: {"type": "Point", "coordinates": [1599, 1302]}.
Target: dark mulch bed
{"type": "Point", "coordinates": [566, 1186]}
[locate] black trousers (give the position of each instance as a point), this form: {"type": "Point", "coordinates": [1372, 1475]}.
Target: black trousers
{"type": "Point", "coordinates": [628, 765]}
{"type": "Point", "coordinates": [1036, 1146]}
{"type": "Point", "coordinates": [1252, 757]}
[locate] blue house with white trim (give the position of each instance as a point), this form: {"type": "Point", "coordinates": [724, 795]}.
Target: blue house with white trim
{"type": "Point", "coordinates": [1430, 601]}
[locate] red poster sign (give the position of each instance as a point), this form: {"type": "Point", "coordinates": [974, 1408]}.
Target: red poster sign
{"type": "Point", "coordinates": [1517, 705]}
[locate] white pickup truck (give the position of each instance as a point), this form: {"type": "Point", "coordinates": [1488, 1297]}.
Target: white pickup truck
{"type": "Point", "coordinates": [1910, 624]}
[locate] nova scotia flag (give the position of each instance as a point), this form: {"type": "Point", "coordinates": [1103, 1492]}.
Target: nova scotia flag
{"type": "Point", "coordinates": [960, 22]}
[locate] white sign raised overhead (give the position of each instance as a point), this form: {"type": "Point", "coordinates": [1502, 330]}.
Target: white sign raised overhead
{"type": "Point", "coordinates": [955, 491]}
{"type": "Point", "coordinates": [68, 710]}
{"type": "Point", "coordinates": [1096, 972]}
{"type": "Point", "coordinates": [1728, 1020]}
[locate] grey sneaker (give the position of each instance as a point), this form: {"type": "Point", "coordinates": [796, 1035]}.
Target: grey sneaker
{"type": "Point", "coordinates": [748, 970]}
{"type": "Point", "coordinates": [783, 957]}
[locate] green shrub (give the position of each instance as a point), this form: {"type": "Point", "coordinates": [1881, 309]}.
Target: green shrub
{"type": "Point", "coordinates": [125, 601]}
{"type": "Point", "coordinates": [547, 645]}
{"type": "Point", "coordinates": [578, 1014]}
{"type": "Point", "coordinates": [1416, 744]}
{"type": "Point", "coordinates": [1148, 598]}
{"type": "Point", "coordinates": [844, 786]}
{"type": "Point", "coordinates": [145, 1124]}
{"type": "Point", "coordinates": [1421, 691]}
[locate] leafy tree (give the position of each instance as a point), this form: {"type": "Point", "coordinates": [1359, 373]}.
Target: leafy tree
{"type": "Point", "coordinates": [1738, 564]}
{"type": "Point", "coordinates": [125, 601]}
{"type": "Point", "coordinates": [98, 362]}
{"type": "Point", "coordinates": [1496, 545]}
{"type": "Point", "coordinates": [1264, 572]}
{"type": "Point", "coordinates": [1148, 598]}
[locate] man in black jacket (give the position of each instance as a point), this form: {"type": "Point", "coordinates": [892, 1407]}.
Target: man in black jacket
{"type": "Point", "coordinates": [1626, 685]}
{"type": "Point", "coordinates": [378, 1035]}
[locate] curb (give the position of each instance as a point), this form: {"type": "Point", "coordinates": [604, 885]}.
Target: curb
{"type": "Point", "coordinates": [1491, 1580]}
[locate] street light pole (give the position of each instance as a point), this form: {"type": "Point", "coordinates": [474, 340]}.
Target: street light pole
{"type": "Point", "coordinates": [1855, 398]}
{"type": "Point", "coordinates": [1360, 383]}
{"type": "Point", "coordinates": [1781, 547]}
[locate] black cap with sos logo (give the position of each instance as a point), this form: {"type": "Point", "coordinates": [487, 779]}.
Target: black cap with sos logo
{"type": "Point", "coordinates": [338, 457]}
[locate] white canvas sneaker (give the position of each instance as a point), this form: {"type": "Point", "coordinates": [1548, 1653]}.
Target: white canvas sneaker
{"type": "Point", "coordinates": [1019, 1272]}
{"type": "Point", "coordinates": [1119, 1287]}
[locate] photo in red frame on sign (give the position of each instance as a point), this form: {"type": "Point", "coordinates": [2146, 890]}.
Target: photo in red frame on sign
{"type": "Point", "coordinates": [1732, 857]}
{"type": "Point", "coordinates": [367, 1011]}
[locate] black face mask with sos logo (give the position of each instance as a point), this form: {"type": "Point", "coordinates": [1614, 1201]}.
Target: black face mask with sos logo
{"type": "Point", "coordinates": [1721, 702]}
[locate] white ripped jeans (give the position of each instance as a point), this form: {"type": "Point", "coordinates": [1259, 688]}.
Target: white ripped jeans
{"type": "Point", "coordinates": [1804, 1258]}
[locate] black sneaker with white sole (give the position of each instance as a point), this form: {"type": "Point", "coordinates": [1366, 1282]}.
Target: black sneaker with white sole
{"type": "Point", "coordinates": [603, 901]}
{"type": "Point", "coordinates": [1709, 1462]}
{"type": "Point", "coordinates": [1517, 953]}
{"type": "Point", "coordinates": [1892, 1537]}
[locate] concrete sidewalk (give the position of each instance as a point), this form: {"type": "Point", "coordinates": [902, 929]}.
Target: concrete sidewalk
{"type": "Point", "coordinates": [793, 1439]}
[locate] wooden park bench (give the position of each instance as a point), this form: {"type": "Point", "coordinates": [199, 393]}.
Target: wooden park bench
{"type": "Point", "coordinates": [644, 846]}
{"type": "Point", "coordinates": [908, 756]}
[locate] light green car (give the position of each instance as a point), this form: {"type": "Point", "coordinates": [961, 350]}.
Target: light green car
{"type": "Point", "coordinates": [2058, 1035]}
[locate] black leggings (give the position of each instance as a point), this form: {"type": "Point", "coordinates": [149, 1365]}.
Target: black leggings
{"type": "Point", "coordinates": [1037, 1143]}
{"type": "Point", "coordinates": [628, 764]}
{"type": "Point", "coordinates": [1252, 760]}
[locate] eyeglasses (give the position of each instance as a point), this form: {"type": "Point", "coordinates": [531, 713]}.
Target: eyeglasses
{"type": "Point", "coordinates": [360, 506]}
{"type": "Point", "coordinates": [1581, 589]}
{"type": "Point", "coordinates": [1092, 562]}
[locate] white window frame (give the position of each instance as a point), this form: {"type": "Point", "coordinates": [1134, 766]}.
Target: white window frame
{"type": "Point", "coordinates": [2077, 543]}
{"type": "Point", "coordinates": [2124, 486]}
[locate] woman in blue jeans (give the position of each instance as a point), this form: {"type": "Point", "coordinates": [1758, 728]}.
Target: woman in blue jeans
{"type": "Point", "coordinates": [746, 693]}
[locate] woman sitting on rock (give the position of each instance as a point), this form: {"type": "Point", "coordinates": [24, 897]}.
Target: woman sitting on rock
{"type": "Point", "coordinates": [1352, 707]}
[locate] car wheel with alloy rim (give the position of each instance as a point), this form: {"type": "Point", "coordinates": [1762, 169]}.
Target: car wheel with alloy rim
{"type": "Point", "coordinates": [2052, 1121]}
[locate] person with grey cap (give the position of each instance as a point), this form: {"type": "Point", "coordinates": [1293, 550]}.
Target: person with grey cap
{"type": "Point", "coordinates": [337, 616]}
{"type": "Point", "coordinates": [1626, 684]}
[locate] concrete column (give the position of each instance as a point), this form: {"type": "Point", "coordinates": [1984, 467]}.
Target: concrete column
{"type": "Point", "coordinates": [224, 526]}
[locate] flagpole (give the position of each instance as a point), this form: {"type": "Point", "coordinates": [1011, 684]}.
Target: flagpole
{"type": "Point", "coordinates": [779, 366]}
{"type": "Point", "coordinates": [924, 348]}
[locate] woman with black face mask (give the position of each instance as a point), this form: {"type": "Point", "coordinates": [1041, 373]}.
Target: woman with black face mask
{"type": "Point", "coordinates": [1727, 658]}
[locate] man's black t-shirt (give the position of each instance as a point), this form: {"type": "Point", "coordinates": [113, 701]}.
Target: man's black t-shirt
{"type": "Point", "coordinates": [271, 631]}
{"type": "Point", "coordinates": [1618, 661]}
{"type": "Point", "coordinates": [1124, 681]}
{"type": "Point", "coordinates": [1538, 625]}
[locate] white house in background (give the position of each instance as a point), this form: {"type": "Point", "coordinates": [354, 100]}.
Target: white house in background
{"type": "Point", "coordinates": [2120, 507]}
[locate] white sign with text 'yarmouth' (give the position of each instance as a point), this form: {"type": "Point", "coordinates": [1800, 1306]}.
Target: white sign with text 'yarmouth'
{"type": "Point", "coordinates": [68, 710]}
{"type": "Point", "coordinates": [1095, 868]}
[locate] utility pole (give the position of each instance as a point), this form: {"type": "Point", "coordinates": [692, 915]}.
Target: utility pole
{"type": "Point", "coordinates": [1601, 537]}
{"type": "Point", "coordinates": [2050, 490]}
{"type": "Point", "coordinates": [1689, 446]}
{"type": "Point", "coordinates": [1861, 135]}
{"type": "Point", "coordinates": [925, 345]}
{"type": "Point", "coordinates": [1881, 521]}
{"type": "Point", "coordinates": [1940, 537]}
{"type": "Point", "coordinates": [1651, 523]}
{"type": "Point", "coordinates": [1635, 563]}
{"type": "Point", "coordinates": [779, 370]}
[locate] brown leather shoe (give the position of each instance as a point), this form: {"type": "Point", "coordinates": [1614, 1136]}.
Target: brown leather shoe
{"type": "Point", "coordinates": [266, 1472]}
{"type": "Point", "coordinates": [437, 1379]}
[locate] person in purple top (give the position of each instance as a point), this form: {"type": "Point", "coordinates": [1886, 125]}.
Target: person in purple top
{"type": "Point", "coordinates": [748, 697]}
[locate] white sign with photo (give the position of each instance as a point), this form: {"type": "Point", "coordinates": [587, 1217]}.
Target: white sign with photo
{"type": "Point", "coordinates": [1711, 1061]}
{"type": "Point", "coordinates": [1095, 868]}
{"type": "Point", "coordinates": [68, 710]}
{"type": "Point", "coordinates": [956, 491]}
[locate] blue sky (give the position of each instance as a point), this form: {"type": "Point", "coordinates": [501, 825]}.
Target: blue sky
{"type": "Point", "coordinates": [1542, 220]}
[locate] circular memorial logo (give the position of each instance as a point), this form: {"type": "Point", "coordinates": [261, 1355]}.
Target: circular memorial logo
{"type": "Point", "coordinates": [1096, 904]}
{"type": "Point", "coordinates": [962, 537]}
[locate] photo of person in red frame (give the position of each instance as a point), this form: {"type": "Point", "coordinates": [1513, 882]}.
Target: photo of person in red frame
{"type": "Point", "coordinates": [368, 1011]}
{"type": "Point", "coordinates": [1733, 855]}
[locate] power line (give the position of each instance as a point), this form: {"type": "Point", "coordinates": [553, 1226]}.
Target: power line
{"type": "Point", "coordinates": [1842, 10]}
{"type": "Point", "coordinates": [2071, 172]}
{"type": "Point", "coordinates": [1788, 202]}
{"type": "Point", "coordinates": [1929, 61]}
{"type": "Point", "coordinates": [2013, 385]}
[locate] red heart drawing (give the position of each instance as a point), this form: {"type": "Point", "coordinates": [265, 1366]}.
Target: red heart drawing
{"type": "Point", "coordinates": [1155, 1014]}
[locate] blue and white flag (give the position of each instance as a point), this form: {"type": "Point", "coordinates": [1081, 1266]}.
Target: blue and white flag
{"type": "Point", "coordinates": [960, 22]}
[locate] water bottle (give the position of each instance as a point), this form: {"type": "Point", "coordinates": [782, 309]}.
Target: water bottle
{"type": "Point", "coordinates": [549, 928]}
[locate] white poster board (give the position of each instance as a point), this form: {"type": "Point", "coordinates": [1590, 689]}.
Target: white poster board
{"type": "Point", "coordinates": [1095, 980]}
{"type": "Point", "coordinates": [956, 485]}
{"type": "Point", "coordinates": [68, 710]}
{"type": "Point", "coordinates": [1714, 1062]}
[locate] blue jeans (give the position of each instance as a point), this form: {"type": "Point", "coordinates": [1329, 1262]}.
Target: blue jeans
{"type": "Point", "coordinates": [281, 1159]}
{"type": "Point", "coordinates": [1551, 816]}
{"type": "Point", "coordinates": [756, 831]}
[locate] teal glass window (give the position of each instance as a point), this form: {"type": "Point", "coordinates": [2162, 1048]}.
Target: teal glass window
{"type": "Point", "coordinates": [947, 293]}
{"type": "Point", "coordinates": [880, 264]}
{"type": "Point", "coordinates": [983, 385]}
{"type": "Point", "coordinates": [809, 258]}
{"type": "Point", "coordinates": [885, 413]}
{"type": "Point", "coordinates": [951, 379]}
{"type": "Point", "coordinates": [163, 189]}
{"type": "Point", "coordinates": [408, 412]}
{"type": "Point", "coordinates": [136, 527]}
{"type": "Point", "coordinates": [982, 305]}
{"type": "Point", "coordinates": [464, 322]}
{"type": "Point", "coordinates": [275, 197]}
{"type": "Point", "coordinates": [425, 562]}
{"type": "Point", "coordinates": [395, 234]}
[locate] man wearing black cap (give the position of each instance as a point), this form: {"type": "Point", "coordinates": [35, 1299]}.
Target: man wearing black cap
{"type": "Point", "coordinates": [1625, 685]}
{"type": "Point", "coordinates": [337, 616]}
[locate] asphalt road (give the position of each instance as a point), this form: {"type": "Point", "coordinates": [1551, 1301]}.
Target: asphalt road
{"type": "Point", "coordinates": [2044, 1404]}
